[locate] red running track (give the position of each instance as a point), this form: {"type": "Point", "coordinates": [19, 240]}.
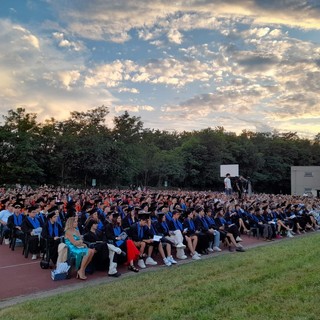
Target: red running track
{"type": "Point", "coordinates": [21, 277]}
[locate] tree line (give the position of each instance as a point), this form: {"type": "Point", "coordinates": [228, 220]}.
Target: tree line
{"type": "Point", "coordinates": [82, 148]}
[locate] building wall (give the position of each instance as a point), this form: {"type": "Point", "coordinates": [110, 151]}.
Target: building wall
{"type": "Point", "coordinates": [305, 180]}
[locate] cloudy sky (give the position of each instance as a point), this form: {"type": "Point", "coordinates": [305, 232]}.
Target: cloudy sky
{"type": "Point", "coordinates": [179, 65]}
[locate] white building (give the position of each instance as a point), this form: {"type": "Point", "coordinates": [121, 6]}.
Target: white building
{"type": "Point", "coordinates": [305, 180]}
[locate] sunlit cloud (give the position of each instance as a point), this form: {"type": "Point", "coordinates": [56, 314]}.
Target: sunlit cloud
{"type": "Point", "coordinates": [182, 65]}
{"type": "Point", "coordinates": [132, 108]}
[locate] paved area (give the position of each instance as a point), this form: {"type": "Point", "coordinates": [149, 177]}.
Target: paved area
{"type": "Point", "coordinates": [22, 279]}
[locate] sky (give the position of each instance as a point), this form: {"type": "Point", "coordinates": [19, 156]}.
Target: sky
{"type": "Point", "coordinates": [179, 65]}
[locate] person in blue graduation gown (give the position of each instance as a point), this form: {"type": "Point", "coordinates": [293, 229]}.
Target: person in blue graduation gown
{"type": "Point", "coordinates": [52, 233]}
{"type": "Point", "coordinates": [190, 240]}
{"type": "Point", "coordinates": [15, 223]}
{"type": "Point", "coordinates": [143, 239]}
{"type": "Point", "coordinates": [32, 228]}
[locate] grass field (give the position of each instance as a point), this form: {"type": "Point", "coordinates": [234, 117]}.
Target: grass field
{"type": "Point", "coordinates": [277, 281]}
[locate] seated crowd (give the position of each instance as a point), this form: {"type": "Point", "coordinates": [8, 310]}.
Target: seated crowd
{"type": "Point", "coordinates": [104, 228]}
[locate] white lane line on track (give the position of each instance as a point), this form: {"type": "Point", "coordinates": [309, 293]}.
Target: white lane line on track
{"type": "Point", "coordinates": [18, 265]}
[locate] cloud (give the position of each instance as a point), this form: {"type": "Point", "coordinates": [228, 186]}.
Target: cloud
{"type": "Point", "coordinates": [64, 43]}
{"type": "Point", "coordinates": [32, 40]}
{"type": "Point", "coordinates": [112, 21]}
{"type": "Point", "coordinates": [131, 90]}
{"type": "Point", "coordinates": [230, 63]}
{"type": "Point", "coordinates": [43, 79]}
{"type": "Point", "coordinates": [133, 108]}
{"type": "Point", "coordinates": [26, 35]}
{"type": "Point", "coordinates": [175, 36]}
{"type": "Point", "coordinates": [69, 78]}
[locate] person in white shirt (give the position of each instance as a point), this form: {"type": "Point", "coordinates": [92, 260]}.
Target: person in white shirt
{"type": "Point", "coordinates": [4, 215]}
{"type": "Point", "coordinates": [227, 184]}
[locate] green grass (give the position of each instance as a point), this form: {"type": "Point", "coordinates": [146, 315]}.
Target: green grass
{"type": "Point", "coordinates": [278, 281]}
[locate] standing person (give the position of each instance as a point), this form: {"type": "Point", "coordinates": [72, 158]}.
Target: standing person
{"type": "Point", "coordinates": [227, 185]}
{"type": "Point", "coordinates": [238, 186]}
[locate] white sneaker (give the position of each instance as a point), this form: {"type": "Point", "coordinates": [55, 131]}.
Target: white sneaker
{"type": "Point", "coordinates": [238, 239]}
{"type": "Point", "coordinates": [216, 249]}
{"type": "Point", "coordinates": [141, 264]}
{"type": "Point", "coordinates": [6, 241]}
{"type": "Point", "coordinates": [196, 257]}
{"type": "Point", "coordinates": [198, 254]}
{"type": "Point", "coordinates": [172, 260]}
{"type": "Point", "coordinates": [210, 249]}
{"type": "Point", "coordinates": [289, 234]}
{"type": "Point", "coordinates": [34, 257]}
{"type": "Point", "coordinates": [182, 257]}
{"type": "Point", "coordinates": [167, 262]}
{"type": "Point", "coordinates": [151, 262]}
{"type": "Point", "coordinates": [180, 246]}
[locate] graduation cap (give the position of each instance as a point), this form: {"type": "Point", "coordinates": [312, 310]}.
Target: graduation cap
{"type": "Point", "coordinates": [198, 209]}
{"type": "Point", "coordinates": [86, 206]}
{"type": "Point", "coordinates": [32, 208]}
{"type": "Point", "coordinates": [98, 200]}
{"type": "Point", "coordinates": [90, 223]}
{"type": "Point", "coordinates": [59, 203]}
{"type": "Point", "coordinates": [17, 205]}
{"type": "Point", "coordinates": [216, 203]}
{"type": "Point", "coordinates": [160, 214]}
{"type": "Point", "coordinates": [178, 208]}
{"type": "Point", "coordinates": [143, 215]}
{"type": "Point", "coordinates": [144, 204]}
{"type": "Point", "coordinates": [288, 206]}
{"type": "Point", "coordinates": [175, 212]}
{"type": "Point", "coordinates": [53, 209]}
{"type": "Point", "coordinates": [115, 214]}
{"type": "Point", "coordinates": [5, 200]}
{"type": "Point", "coordinates": [51, 215]}
{"type": "Point", "coordinates": [40, 200]}
{"type": "Point", "coordinates": [92, 211]}
{"type": "Point", "coordinates": [161, 207]}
